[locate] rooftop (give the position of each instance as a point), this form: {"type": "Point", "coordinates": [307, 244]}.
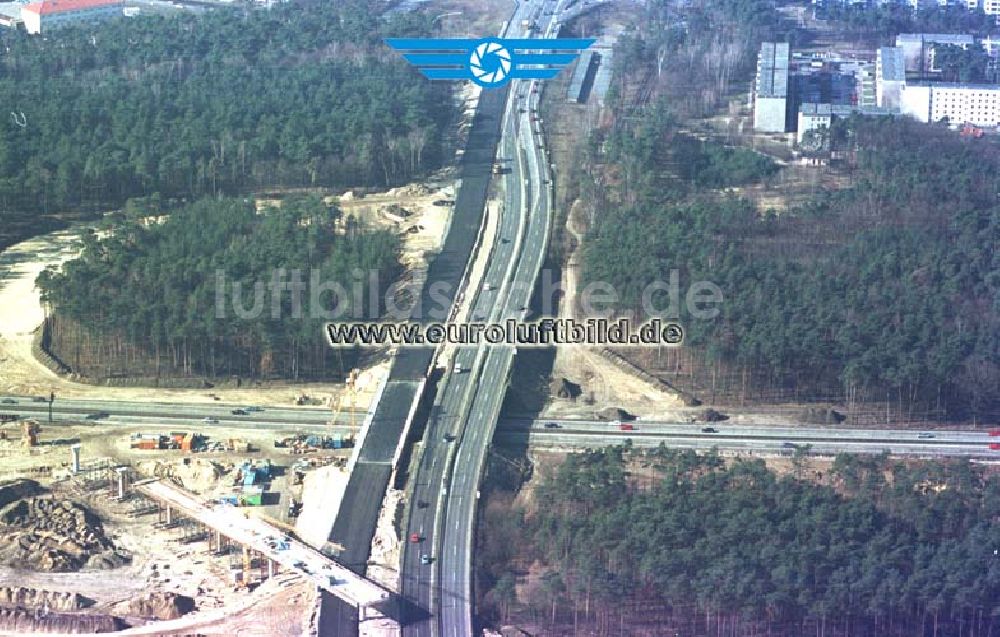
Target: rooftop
{"type": "Point", "coordinates": [893, 64]}
{"type": "Point", "coordinates": [772, 70]}
{"type": "Point", "coordinates": [842, 110]}
{"type": "Point", "coordinates": [957, 85]}
{"type": "Point", "coordinates": [48, 7]}
{"type": "Point", "coordinates": [940, 38]}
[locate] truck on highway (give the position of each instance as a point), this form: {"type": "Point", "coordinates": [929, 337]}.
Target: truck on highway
{"type": "Point", "coordinates": [9, 417]}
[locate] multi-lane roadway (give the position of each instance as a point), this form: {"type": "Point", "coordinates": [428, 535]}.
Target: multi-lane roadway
{"type": "Point", "coordinates": [756, 439]}
{"type": "Point", "coordinates": [200, 414]}
{"type": "Point", "coordinates": [436, 559]}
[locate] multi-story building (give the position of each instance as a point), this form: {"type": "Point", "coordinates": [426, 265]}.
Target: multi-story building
{"type": "Point", "coordinates": [989, 7]}
{"type": "Point", "coordinates": [918, 48]}
{"type": "Point", "coordinates": [53, 14]}
{"type": "Point", "coordinates": [770, 113]}
{"type": "Point", "coordinates": [817, 116]}
{"type": "Point", "coordinates": [977, 104]}
{"type": "Point", "coordinates": [890, 76]}
{"type": "Point", "coordinates": [10, 14]}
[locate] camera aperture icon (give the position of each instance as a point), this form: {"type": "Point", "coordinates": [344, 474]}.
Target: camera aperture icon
{"type": "Point", "coordinates": [490, 63]}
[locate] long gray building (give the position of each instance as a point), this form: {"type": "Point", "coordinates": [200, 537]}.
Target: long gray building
{"type": "Point", "coordinates": [770, 113]}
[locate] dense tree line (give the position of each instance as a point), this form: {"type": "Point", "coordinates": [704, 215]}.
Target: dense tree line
{"type": "Point", "coordinates": [161, 300]}
{"type": "Point", "coordinates": [708, 548]}
{"type": "Point", "coordinates": [891, 18]}
{"type": "Point", "coordinates": [963, 64]}
{"type": "Point", "coordinates": [301, 95]}
{"type": "Point", "coordinates": [889, 287]}
{"type": "Point", "coordinates": [693, 53]}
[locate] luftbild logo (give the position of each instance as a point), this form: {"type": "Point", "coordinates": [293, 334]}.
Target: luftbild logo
{"type": "Point", "coordinates": [489, 62]}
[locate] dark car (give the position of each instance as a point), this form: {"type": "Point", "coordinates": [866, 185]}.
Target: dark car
{"type": "Point", "coordinates": [789, 445]}
{"type": "Point", "coordinates": [8, 401]}
{"type": "Point", "coordinates": [239, 412]}
{"type": "Point", "coordinates": [709, 430]}
{"type": "Point", "coordinates": [97, 415]}
{"type": "Point", "coordinates": [40, 399]}
{"type": "Point", "coordinates": [552, 425]}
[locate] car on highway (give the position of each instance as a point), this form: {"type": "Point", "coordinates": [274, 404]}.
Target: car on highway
{"type": "Point", "coordinates": [995, 446]}
{"type": "Point", "coordinates": [39, 399]}
{"type": "Point", "coordinates": [789, 445]}
{"type": "Point", "coordinates": [415, 538]}
{"type": "Point", "coordinates": [8, 401]}
{"type": "Point", "coordinates": [487, 287]}
{"type": "Point", "coordinates": [925, 436]}
{"type": "Point", "coordinates": [709, 430]}
{"type": "Point", "coordinates": [97, 415]}
{"type": "Point", "coordinates": [448, 438]}
{"type": "Point", "coordinates": [209, 420]}
{"type": "Point", "coordinates": [425, 559]}
{"type": "Point", "coordinates": [552, 425]}
{"type": "Point", "coordinates": [240, 412]}
{"type": "Point", "coordinates": [626, 426]}
{"type": "Point", "coordinates": [253, 408]}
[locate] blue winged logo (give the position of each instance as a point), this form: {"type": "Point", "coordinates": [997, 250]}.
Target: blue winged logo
{"type": "Point", "coordinates": [489, 62]}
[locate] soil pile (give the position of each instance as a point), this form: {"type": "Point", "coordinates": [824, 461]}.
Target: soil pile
{"type": "Point", "coordinates": [52, 535]}
{"type": "Point", "coordinates": [36, 598]}
{"type": "Point", "coordinates": [155, 606]}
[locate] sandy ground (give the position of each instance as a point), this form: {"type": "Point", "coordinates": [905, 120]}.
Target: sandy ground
{"type": "Point", "coordinates": [384, 563]}
{"type": "Point", "coordinates": [160, 563]}
{"type": "Point", "coordinates": [606, 384]}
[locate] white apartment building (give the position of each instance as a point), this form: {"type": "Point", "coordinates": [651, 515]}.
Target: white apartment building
{"type": "Point", "coordinates": [989, 7]}
{"type": "Point", "coordinates": [977, 104]}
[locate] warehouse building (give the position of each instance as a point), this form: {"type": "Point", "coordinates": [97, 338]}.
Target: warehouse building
{"type": "Point", "coordinates": [53, 14]}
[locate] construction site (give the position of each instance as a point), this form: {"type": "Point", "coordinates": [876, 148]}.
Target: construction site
{"type": "Point", "coordinates": [94, 547]}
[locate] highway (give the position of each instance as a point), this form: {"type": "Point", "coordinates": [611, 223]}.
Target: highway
{"type": "Point", "coordinates": [757, 439]}
{"type": "Point", "coordinates": [460, 426]}
{"type": "Point", "coordinates": [355, 526]}
{"type": "Point", "coordinates": [190, 414]}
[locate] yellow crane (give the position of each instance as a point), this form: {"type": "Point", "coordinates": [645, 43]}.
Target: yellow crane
{"type": "Point", "coordinates": [347, 397]}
